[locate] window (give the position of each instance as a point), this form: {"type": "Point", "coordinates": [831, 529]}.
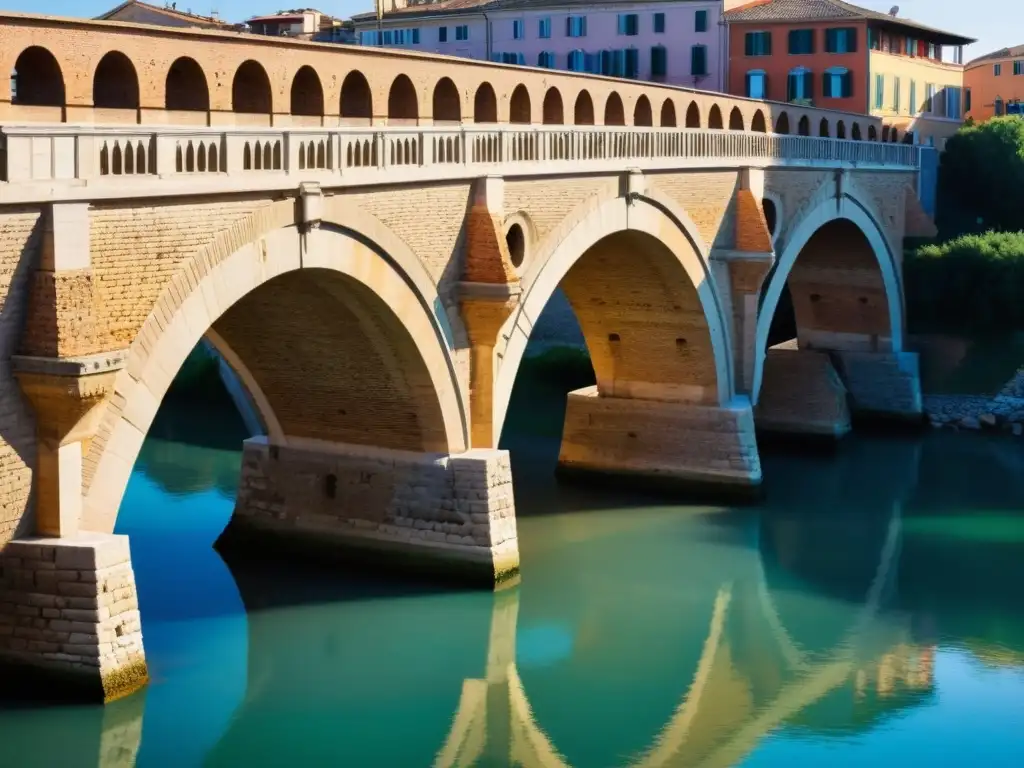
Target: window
{"type": "Point", "coordinates": [896, 95]}
{"type": "Point", "coordinates": [997, 70]}
{"type": "Point", "coordinates": [659, 23]}
{"type": "Point", "coordinates": [929, 98]}
{"type": "Point", "coordinates": [509, 58]}
{"type": "Point", "coordinates": [914, 106]}
{"type": "Point", "coordinates": [801, 41]}
{"type": "Point", "coordinates": [518, 29]}
{"type": "Point", "coordinates": [700, 21]}
{"type": "Point", "coordinates": [699, 60]}
{"type": "Point", "coordinates": [911, 46]}
{"type": "Point", "coordinates": [757, 44]}
{"type": "Point", "coordinates": [546, 59]}
{"type": "Point", "coordinates": [1018, 67]}
{"type": "Point", "coordinates": [632, 56]}
{"type": "Point", "coordinates": [879, 91]}
{"type": "Point", "coordinates": [931, 50]}
{"type": "Point", "coordinates": [800, 86]}
{"type": "Point", "coordinates": [442, 34]}
{"type": "Point", "coordinates": [577, 61]}
{"type": "Point", "coordinates": [958, 55]}
{"type": "Point", "coordinates": [967, 99]}
{"type": "Point", "coordinates": [462, 32]}
{"type": "Point", "coordinates": [999, 106]}
{"type": "Point", "coordinates": [544, 28]}
{"type": "Point", "coordinates": [841, 40]}
{"type": "Point", "coordinates": [757, 84]}
{"type": "Point", "coordinates": [659, 61]}
{"type": "Point", "coordinates": [837, 83]}
{"type": "Point", "coordinates": [628, 24]}
{"type": "Point", "coordinates": [576, 26]}
{"type": "Point", "coordinates": [954, 101]}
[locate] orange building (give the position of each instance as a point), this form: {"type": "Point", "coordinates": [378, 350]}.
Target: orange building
{"type": "Point", "coordinates": [835, 55]}
{"type": "Point", "coordinates": [994, 84]}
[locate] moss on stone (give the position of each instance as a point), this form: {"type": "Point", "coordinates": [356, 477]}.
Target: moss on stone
{"type": "Point", "coordinates": [125, 680]}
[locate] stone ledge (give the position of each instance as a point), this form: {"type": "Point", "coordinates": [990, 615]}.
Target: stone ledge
{"type": "Point", "coordinates": [101, 362]}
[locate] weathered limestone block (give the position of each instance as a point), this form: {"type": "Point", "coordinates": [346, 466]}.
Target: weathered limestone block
{"type": "Point", "coordinates": [678, 444]}
{"type": "Point", "coordinates": [69, 610]}
{"type": "Point", "coordinates": [453, 514]}
{"type": "Point", "coordinates": [882, 384]}
{"type": "Point", "coordinates": [801, 393]}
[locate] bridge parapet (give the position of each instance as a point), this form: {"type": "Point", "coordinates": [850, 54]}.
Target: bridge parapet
{"type": "Point", "coordinates": [66, 162]}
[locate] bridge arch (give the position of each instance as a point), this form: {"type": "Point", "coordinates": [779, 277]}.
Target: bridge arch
{"type": "Point", "coordinates": [855, 132]}
{"type": "Point", "coordinates": [736, 120]}
{"type": "Point", "coordinates": [39, 79]}
{"type": "Point", "coordinates": [186, 88]}
{"type": "Point", "coordinates": [356, 101]}
{"type": "Point", "coordinates": [674, 255]}
{"type": "Point", "coordinates": [823, 129]}
{"type": "Point", "coordinates": [403, 104]}
{"type": "Point", "coordinates": [803, 126]}
{"type": "Point", "coordinates": [485, 104]}
{"type": "Point", "coordinates": [250, 89]}
{"type": "Point", "coordinates": [447, 105]}
{"type": "Point", "coordinates": [278, 285]}
{"type": "Point", "coordinates": [668, 114]}
{"type": "Point", "coordinates": [757, 123]}
{"type": "Point", "coordinates": [782, 123]}
{"type": "Point", "coordinates": [693, 115]}
{"type": "Point", "coordinates": [848, 223]}
{"type": "Point", "coordinates": [307, 93]}
{"type": "Point", "coordinates": [583, 109]}
{"type": "Point", "coordinates": [554, 114]}
{"type": "Point", "coordinates": [614, 113]}
{"type": "Point", "coordinates": [642, 115]}
{"type": "Point", "coordinates": [520, 110]}
{"type": "Point", "coordinates": [115, 83]}
{"type": "Point", "coordinates": [715, 118]}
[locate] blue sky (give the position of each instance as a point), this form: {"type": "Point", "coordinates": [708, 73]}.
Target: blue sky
{"type": "Point", "coordinates": [990, 21]}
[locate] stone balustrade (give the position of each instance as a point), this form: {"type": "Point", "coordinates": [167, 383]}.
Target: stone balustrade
{"type": "Point", "coordinates": [59, 160]}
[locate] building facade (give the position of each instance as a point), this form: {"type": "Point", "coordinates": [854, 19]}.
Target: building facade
{"type": "Point", "coordinates": [832, 54]}
{"type": "Point", "coordinates": [679, 42]}
{"type": "Point", "coordinates": [994, 84]}
{"type": "Point", "coordinates": [167, 15]}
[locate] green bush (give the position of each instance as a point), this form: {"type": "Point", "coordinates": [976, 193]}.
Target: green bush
{"type": "Point", "coordinates": [971, 284]}
{"type": "Point", "coordinates": [981, 178]}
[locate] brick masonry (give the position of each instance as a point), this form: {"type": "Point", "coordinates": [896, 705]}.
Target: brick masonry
{"type": "Point", "coordinates": [882, 384]}
{"type": "Point", "coordinates": [802, 394]}
{"type": "Point", "coordinates": [674, 442]}
{"type": "Point", "coordinates": [454, 514]}
{"type": "Point", "coordinates": [69, 607]}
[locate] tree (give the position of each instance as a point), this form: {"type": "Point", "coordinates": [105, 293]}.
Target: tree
{"type": "Point", "coordinates": [981, 177]}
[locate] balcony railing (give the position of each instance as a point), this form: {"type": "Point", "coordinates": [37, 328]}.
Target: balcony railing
{"type": "Point", "coordinates": [111, 161]}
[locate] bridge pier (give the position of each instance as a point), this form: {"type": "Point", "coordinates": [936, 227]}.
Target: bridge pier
{"type": "Point", "coordinates": [801, 394]}
{"type": "Point", "coordinates": [673, 444]}
{"type": "Point", "coordinates": [452, 515]}
{"type": "Point", "coordinates": [882, 385]}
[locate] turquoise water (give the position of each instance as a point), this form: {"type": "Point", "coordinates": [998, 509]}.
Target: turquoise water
{"type": "Point", "coordinates": [870, 612]}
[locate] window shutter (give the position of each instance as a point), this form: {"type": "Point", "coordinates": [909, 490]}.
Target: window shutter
{"type": "Point", "coordinates": [633, 61]}
{"type": "Point", "coordinates": [851, 40]}
{"type": "Point", "coordinates": [808, 85]}
{"type": "Point", "coordinates": [847, 85]}
{"type": "Point", "coordinates": [767, 43]}
{"type": "Point", "coordinates": [606, 62]}
{"type": "Point", "coordinates": [794, 41]}
{"type": "Point", "coordinates": [791, 87]}
{"type": "Point", "coordinates": [830, 40]}
{"type": "Point", "coordinates": [748, 78]}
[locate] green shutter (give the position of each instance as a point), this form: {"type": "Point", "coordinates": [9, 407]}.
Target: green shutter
{"type": "Point", "coordinates": [851, 40]}
{"type": "Point", "coordinates": [830, 40]}
{"type": "Point", "coordinates": [748, 44]}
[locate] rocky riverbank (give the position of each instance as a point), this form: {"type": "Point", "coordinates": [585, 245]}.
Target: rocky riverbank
{"type": "Point", "coordinates": [1004, 411]}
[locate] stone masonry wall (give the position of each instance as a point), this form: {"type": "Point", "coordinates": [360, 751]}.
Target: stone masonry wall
{"type": "Point", "coordinates": [20, 236]}
{"type": "Point", "coordinates": [801, 393]}
{"type": "Point", "coordinates": [452, 510]}
{"type": "Point", "coordinates": [882, 383]}
{"type": "Point", "coordinates": [70, 606]}
{"type": "Point", "coordinates": [653, 439]}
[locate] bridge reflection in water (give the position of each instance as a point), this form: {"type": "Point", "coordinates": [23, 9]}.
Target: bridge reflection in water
{"type": "Point", "coordinates": [686, 656]}
{"type": "Point", "coordinates": [641, 635]}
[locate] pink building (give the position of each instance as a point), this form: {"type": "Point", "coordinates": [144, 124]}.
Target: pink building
{"type": "Point", "coordinates": [670, 41]}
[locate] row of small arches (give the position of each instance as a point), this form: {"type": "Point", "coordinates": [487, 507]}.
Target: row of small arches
{"type": "Point", "coordinates": [40, 82]}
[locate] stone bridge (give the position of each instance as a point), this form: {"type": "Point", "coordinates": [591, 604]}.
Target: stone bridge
{"type": "Point", "coordinates": [369, 250]}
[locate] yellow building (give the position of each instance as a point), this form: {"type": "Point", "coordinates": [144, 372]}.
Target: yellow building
{"type": "Point", "coordinates": [919, 97]}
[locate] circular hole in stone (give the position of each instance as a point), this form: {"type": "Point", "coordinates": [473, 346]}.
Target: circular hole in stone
{"type": "Point", "coordinates": [815, 298]}
{"type": "Point", "coordinates": [770, 215]}
{"type": "Point", "coordinates": [516, 241]}
{"type": "Point", "coordinates": [613, 337]}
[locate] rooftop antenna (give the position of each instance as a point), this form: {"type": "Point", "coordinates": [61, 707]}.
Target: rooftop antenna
{"type": "Point", "coordinates": [894, 10]}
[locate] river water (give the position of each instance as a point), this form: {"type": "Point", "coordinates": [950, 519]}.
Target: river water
{"type": "Point", "coordinates": [869, 612]}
